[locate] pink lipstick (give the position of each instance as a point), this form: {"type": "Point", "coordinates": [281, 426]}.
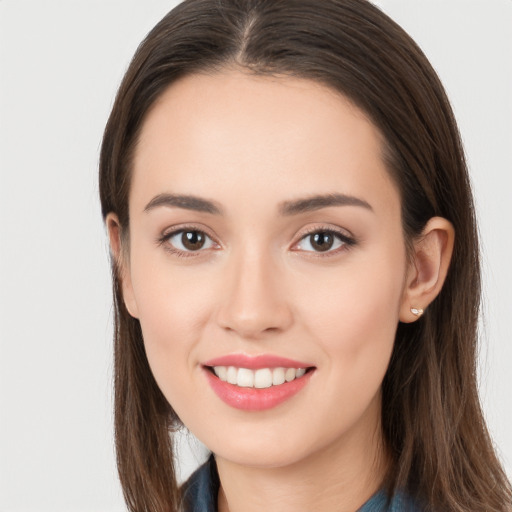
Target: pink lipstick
{"type": "Point", "coordinates": [256, 383]}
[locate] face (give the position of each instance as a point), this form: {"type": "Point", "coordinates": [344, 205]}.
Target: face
{"type": "Point", "coordinates": [265, 246]}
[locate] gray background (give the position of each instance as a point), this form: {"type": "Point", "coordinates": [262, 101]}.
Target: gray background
{"type": "Point", "coordinates": [60, 64]}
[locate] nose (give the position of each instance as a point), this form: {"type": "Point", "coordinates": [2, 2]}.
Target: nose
{"type": "Point", "coordinates": [255, 302]}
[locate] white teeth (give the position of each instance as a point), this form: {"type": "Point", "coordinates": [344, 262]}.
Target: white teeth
{"type": "Point", "coordinates": [261, 378]}
{"type": "Point", "coordinates": [290, 373]}
{"type": "Point", "coordinates": [278, 376]}
{"type": "Point", "coordinates": [221, 372]}
{"type": "Point", "coordinates": [300, 372]}
{"type": "Point", "coordinates": [232, 375]}
{"type": "Point", "coordinates": [245, 378]}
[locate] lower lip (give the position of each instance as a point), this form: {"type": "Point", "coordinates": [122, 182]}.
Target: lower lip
{"type": "Point", "coordinates": [254, 399]}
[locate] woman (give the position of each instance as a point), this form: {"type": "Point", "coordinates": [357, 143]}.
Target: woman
{"type": "Point", "coordinates": [295, 266]}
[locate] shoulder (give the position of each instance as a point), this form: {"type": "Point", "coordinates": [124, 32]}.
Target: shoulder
{"type": "Point", "coordinates": [200, 491]}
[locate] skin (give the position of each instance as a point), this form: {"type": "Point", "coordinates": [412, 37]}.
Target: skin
{"type": "Point", "coordinates": [250, 144]}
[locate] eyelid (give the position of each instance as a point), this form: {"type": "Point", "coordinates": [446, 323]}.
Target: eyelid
{"type": "Point", "coordinates": [169, 232]}
{"type": "Point", "coordinates": [172, 230]}
{"type": "Point", "coordinates": [344, 235]}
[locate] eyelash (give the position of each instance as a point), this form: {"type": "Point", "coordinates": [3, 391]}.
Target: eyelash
{"type": "Point", "coordinates": [164, 241]}
{"type": "Point", "coordinates": [346, 241]}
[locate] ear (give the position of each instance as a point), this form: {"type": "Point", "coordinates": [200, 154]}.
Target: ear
{"type": "Point", "coordinates": [427, 271]}
{"type": "Point", "coordinates": [121, 258]}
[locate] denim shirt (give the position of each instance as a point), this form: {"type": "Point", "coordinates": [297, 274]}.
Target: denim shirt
{"type": "Point", "coordinates": [200, 493]}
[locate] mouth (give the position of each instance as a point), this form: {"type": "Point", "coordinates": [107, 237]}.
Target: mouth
{"type": "Point", "coordinates": [256, 383]}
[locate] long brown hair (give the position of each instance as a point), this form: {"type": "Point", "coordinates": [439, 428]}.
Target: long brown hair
{"type": "Point", "coordinates": [431, 415]}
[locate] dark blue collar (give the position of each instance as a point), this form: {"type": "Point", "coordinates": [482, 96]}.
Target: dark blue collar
{"type": "Point", "coordinates": [200, 493]}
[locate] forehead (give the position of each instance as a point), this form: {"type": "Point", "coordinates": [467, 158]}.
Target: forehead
{"type": "Point", "coordinates": [267, 135]}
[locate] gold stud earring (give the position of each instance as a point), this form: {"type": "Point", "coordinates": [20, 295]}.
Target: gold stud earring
{"type": "Point", "coordinates": [417, 311]}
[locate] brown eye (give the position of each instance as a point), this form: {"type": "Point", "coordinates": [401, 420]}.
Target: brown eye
{"type": "Point", "coordinates": [191, 240]}
{"type": "Point", "coordinates": [322, 241]}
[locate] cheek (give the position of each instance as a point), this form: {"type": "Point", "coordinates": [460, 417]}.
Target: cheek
{"type": "Point", "coordinates": [353, 323]}
{"type": "Point", "coordinates": [356, 297]}
{"type": "Point", "coordinates": [354, 316]}
{"type": "Point", "coordinates": [174, 307]}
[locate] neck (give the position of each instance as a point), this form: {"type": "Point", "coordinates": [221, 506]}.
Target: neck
{"type": "Point", "coordinates": [341, 477]}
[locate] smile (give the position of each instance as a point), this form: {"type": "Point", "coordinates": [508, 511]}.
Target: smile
{"type": "Point", "coordinates": [259, 379]}
{"type": "Point", "coordinates": [256, 383]}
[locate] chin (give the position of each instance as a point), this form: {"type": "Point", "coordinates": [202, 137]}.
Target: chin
{"type": "Point", "coordinates": [262, 459]}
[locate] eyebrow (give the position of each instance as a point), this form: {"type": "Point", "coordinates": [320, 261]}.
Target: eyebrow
{"type": "Point", "coordinates": [186, 202]}
{"type": "Point", "coordinates": [286, 208]}
{"type": "Point", "coordinates": [318, 202]}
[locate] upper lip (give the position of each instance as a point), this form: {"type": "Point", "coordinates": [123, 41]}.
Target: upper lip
{"type": "Point", "coordinates": [256, 362]}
